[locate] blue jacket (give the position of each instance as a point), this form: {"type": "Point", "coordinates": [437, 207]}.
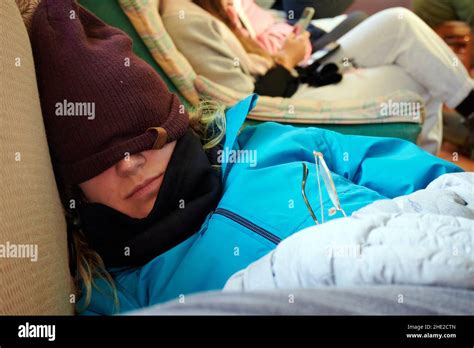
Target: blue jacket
{"type": "Point", "coordinates": [262, 204]}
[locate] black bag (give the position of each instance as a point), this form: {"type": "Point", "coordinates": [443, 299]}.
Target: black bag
{"type": "Point", "coordinates": [317, 75]}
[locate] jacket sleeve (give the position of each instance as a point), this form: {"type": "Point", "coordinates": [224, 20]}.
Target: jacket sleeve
{"type": "Point", "coordinates": [202, 45]}
{"type": "Point", "coordinates": [103, 302]}
{"type": "Point", "coordinates": [390, 166]}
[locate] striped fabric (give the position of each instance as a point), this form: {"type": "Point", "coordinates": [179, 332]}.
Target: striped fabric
{"type": "Point", "coordinates": [144, 16]}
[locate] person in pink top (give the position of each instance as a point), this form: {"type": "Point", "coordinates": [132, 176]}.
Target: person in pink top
{"type": "Point", "coordinates": [271, 32]}
{"type": "Point", "coordinates": [262, 26]}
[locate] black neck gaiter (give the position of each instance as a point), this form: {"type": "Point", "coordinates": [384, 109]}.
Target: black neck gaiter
{"type": "Point", "coordinates": [191, 188]}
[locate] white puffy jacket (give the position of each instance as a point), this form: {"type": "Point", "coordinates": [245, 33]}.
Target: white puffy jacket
{"type": "Point", "coordinates": [425, 238]}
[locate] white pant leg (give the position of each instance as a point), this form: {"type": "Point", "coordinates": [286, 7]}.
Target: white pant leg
{"type": "Point", "coordinates": [378, 81]}
{"type": "Point", "coordinates": [397, 36]}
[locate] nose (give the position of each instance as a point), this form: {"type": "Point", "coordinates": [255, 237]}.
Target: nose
{"type": "Point", "coordinates": [130, 164]}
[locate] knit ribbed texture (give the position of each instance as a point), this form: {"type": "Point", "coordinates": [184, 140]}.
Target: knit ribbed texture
{"type": "Point", "coordinates": [30, 209]}
{"type": "Point", "coordinates": [80, 59]}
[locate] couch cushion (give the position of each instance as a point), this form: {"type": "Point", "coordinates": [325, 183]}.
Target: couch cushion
{"type": "Point", "coordinates": [30, 211]}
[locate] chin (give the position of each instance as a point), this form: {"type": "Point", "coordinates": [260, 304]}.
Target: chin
{"type": "Point", "coordinates": [142, 213]}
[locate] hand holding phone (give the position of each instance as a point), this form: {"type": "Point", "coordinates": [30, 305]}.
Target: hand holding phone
{"type": "Point", "coordinates": [293, 50]}
{"type": "Point", "coordinates": [304, 21]}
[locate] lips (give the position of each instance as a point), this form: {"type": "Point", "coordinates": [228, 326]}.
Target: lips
{"type": "Point", "coordinates": [144, 188]}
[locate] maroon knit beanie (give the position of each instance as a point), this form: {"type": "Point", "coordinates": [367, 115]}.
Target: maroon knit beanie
{"type": "Point", "coordinates": [99, 100]}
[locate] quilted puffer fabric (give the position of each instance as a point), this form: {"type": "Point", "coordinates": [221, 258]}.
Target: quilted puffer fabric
{"type": "Point", "coordinates": [425, 238]}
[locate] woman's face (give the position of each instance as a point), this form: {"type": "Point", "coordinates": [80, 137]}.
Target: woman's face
{"type": "Point", "coordinates": [132, 184]}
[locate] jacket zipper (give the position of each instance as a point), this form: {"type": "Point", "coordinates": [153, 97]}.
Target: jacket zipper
{"type": "Point", "coordinates": [248, 224]}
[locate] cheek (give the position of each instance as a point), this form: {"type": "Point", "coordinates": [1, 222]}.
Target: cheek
{"type": "Point", "coordinates": [101, 189]}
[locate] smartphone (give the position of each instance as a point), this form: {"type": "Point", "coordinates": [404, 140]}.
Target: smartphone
{"type": "Point", "coordinates": [304, 20]}
{"type": "Point", "coordinates": [324, 52]}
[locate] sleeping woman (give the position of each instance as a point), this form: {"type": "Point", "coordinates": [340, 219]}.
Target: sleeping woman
{"type": "Point", "coordinates": [395, 48]}
{"type": "Point", "coordinates": [160, 203]}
